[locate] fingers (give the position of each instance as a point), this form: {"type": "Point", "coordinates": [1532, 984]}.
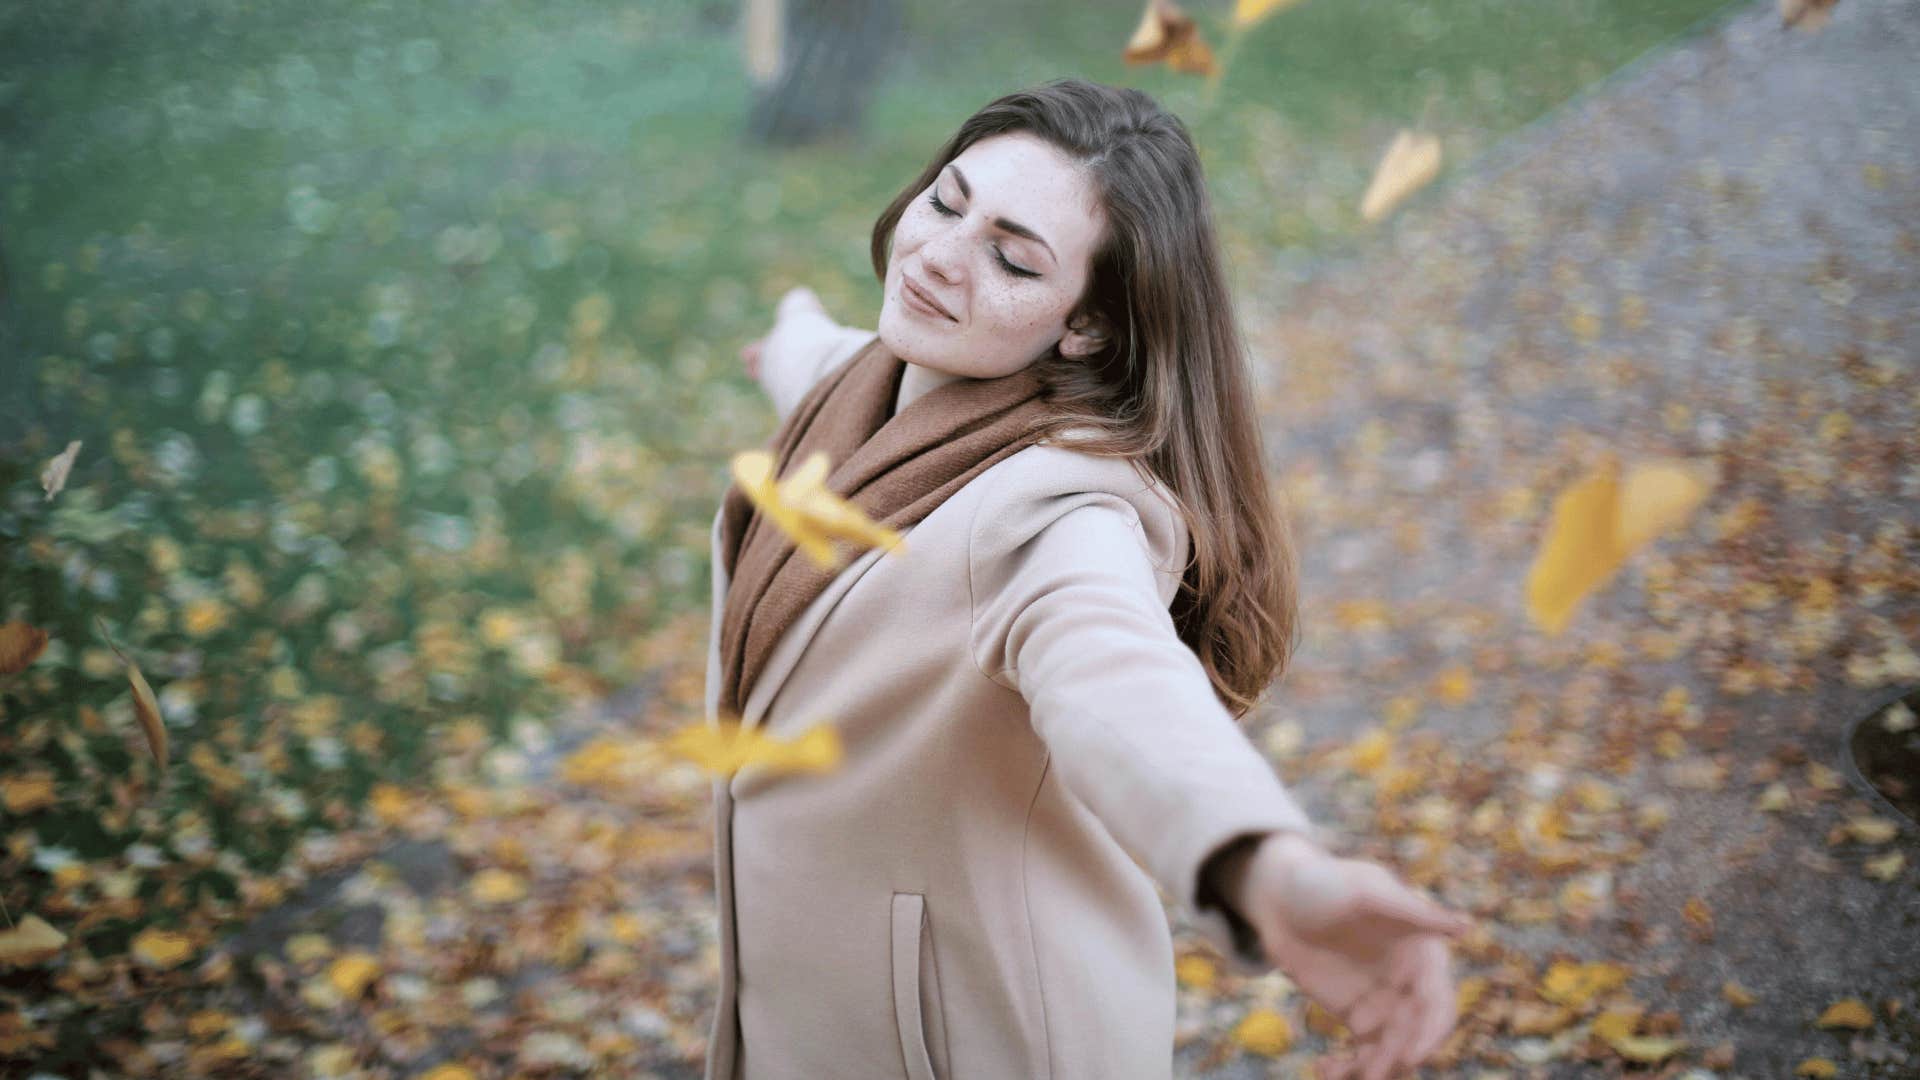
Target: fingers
{"type": "Point", "coordinates": [1437, 992]}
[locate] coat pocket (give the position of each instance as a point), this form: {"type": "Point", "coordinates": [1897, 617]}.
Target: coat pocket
{"type": "Point", "coordinates": [916, 989]}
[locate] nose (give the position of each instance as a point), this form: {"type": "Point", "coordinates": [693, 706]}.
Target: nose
{"type": "Point", "coordinates": [940, 255]}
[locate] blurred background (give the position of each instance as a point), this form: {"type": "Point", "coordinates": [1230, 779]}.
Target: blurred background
{"type": "Point", "coordinates": [402, 343]}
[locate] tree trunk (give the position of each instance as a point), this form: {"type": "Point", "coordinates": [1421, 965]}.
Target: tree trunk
{"type": "Point", "coordinates": [831, 56]}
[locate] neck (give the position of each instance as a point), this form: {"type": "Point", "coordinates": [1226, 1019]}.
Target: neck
{"type": "Point", "coordinates": [917, 380]}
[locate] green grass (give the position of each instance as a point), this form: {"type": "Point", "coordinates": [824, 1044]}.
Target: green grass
{"type": "Point", "coordinates": [424, 317]}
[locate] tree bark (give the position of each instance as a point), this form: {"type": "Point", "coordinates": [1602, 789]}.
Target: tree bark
{"type": "Point", "coordinates": [831, 56]}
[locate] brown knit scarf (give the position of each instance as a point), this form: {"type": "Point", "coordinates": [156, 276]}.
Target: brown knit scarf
{"type": "Point", "coordinates": [895, 468]}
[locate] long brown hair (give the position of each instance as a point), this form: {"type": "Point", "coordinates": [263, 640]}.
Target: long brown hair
{"type": "Point", "coordinates": [1171, 386]}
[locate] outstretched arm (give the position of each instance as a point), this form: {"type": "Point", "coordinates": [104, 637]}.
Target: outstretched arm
{"type": "Point", "coordinates": [804, 344]}
{"type": "Point", "coordinates": [1070, 611]}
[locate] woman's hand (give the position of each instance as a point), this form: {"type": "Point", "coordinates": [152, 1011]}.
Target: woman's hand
{"type": "Point", "coordinates": [797, 300]}
{"type": "Point", "coordinates": [1369, 949]}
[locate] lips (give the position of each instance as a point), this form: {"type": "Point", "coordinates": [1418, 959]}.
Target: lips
{"type": "Point", "coordinates": [919, 292]}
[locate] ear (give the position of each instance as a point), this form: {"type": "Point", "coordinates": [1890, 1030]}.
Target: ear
{"type": "Point", "coordinates": [1089, 338]}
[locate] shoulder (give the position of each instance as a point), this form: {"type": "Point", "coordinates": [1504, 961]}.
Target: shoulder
{"type": "Point", "coordinates": [1030, 490]}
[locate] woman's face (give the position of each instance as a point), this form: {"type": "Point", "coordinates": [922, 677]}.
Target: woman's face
{"type": "Point", "coordinates": [1006, 253]}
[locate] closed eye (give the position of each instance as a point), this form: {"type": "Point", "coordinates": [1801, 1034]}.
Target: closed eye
{"type": "Point", "coordinates": [934, 198]}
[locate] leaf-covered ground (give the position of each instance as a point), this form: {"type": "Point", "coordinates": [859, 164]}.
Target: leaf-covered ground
{"type": "Point", "coordinates": [392, 454]}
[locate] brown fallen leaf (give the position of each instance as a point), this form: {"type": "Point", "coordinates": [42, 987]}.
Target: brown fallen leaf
{"type": "Point", "coordinates": [1806, 14]}
{"type": "Point", "coordinates": [54, 476]}
{"type": "Point", "coordinates": [20, 645]}
{"type": "Point", "coordinates": [1166, 33]}
{"type": "Point", "coordinates": [1818, 1068]}
{"type": "Point", "coordinates": [1411, 162]}
{"type": "Point", "coordinates": [146, 708]}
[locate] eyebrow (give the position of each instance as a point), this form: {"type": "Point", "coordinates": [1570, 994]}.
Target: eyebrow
{"type": "Point", "coordinates": [1013, 227]}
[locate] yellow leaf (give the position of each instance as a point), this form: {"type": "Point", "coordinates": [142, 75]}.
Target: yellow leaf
{"type": "Point", "coordinates": [207, 1023]}
{"type": "Point", "coordinates": [448, 1071]}
{"type": "Point", "coordinates": [303, 949]}
{"type": "Point", "coordinates": [1369, 752]}
{"type": "Point", "coordinates": [147, 710]}
{"type": "Point", "coordinates": [1618, 1023]}
{"type": "Point", "coordinates": [352, 972]}
{"type": "Point", "coordinates": [1575, 984]}
{"type": "Point", "coordinates": [802, 507]}
{"type": "Point", "coordinates": [1868, 829]}
{"type": "Point", "coordinates": [54, 477]}
{"type": "Point", "coordinates": [1773, 800]}
{"type": "Point", "coordinates": [1248, 12]}
{"type": "Point", "coordinates": [33, 941]}
{"type": "Point", "coordinates": [1263, 1031]}
{"type": "Point", "coordinates": [20, 645]}
{"type": "Point", "coordinates": [496, 886]}
{"type": "Point", "coordinates": [1166, 33]}
{"type": "Point", "coordinates": [725, 748]}
{"type": "Point", "coordinates": [1847, 1013]}
{"type": "Point", "coordinates": [1886, 867]}
{"type": "Point", "coordinates": [161, 948]}
{"type": "Point", "coordinates": [27, 792]}
{"type": "Point", "coordinates": [1645, 1049]}
{"type": "Point", "coordinates": [1738, 996]}
{"type": "Point", "coordinates": [1598, 522]}
{"type": "Point", "coordinates": [1818, 1068]}
{"type": "Point", "coordinates": [1411, 162]}
{"type": "Point", "coordinates": [1657, 496]}
{"type": "Point", "coordinates": [1195, 971]}
{"type": "Point", "coordinates": [1455, 685]}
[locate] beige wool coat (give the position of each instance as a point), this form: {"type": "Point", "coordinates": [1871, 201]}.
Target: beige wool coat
{"type": "Point", "coordinates": [1029, 749]}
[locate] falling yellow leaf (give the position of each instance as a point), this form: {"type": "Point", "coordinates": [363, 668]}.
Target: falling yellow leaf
{"type": "Point", "coordinates": [1657, 496]}
{"type": "Point", "coordinates": [1195, 971]}
{"type": "Point", "coordinates": [1806, 14]}
{"type": "Point", "coordinates": [1847, 1013]}
{"type": "Point", "coordinates": [1263, 1031]}
{"type": "Point", "coordinates": [1168, 33]}
{"type": "Point", "coordinates": [1601, 520]}
{"type": "Point", "coordinates": [20, 645]}
{"type": "Point", "coordinates": [1818, 1068]}
{"type": "Point", "coordinates": [1646, 1050]}
{"type": "Point", "coordinates": [1738, 996]}
{"type": "Point", "coordinates": [352, 973]}
{"type": "Point", "coordinates": [725, 748]}
{"type": "Point", "coordinates": [33, 941]}
{"type": "Point", "coordinates": [161, 948]}
{"type": "Point", "coordinates": [53, 478]}
{"type": "Point", "coordinates": [147, 709]}
{"type": "Point", "coordinates": [1248, 12]}
{"type": "Point", "coordinates": [1411, 162]}
{"type": "Point", "coordinates": [801, 507]}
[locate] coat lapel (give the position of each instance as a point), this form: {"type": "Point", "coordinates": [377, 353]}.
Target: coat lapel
{"type": "Point", "coordinates": [791, 646]}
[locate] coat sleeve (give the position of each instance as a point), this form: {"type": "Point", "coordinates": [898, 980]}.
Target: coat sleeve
{"type": "Point", "coordinates": [803, 348]}
{"type": "Point", "coordinates": [1070, 609]}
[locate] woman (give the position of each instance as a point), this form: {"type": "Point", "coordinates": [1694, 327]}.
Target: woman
{"type": "Point", "coordinates": [1037, 696]}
